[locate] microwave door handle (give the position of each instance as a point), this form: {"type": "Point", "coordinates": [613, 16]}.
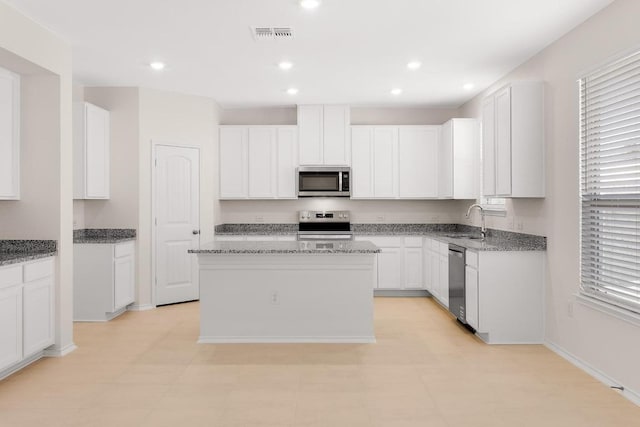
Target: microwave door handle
{"type": "Point", "coordinates": [339, 181]}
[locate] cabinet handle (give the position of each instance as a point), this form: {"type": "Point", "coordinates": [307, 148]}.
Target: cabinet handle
{"type": "Point", "coordinates": [195, 232]}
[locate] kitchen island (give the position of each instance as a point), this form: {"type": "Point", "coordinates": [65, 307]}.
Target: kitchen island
{"type": "Point", "coordinates": [287, 291]}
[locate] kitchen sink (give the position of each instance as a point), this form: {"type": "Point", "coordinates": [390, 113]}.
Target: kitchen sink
{"type": "Point", "coordinates": [464, 236]}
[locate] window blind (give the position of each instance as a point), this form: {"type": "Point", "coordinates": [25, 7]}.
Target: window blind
{"type": "Point", "coordinates": [610, 183]}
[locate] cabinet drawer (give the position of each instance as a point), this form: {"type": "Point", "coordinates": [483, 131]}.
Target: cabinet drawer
{"type": "Point", "coordinates": [226, 238]}
{"type": "Point", "coordinates": [413, 242]}
{"type": "Point", "coordinates": [38, 270]}
{"type": "Point", "coordinates": [385, 241]}
{"type": "Point", "coordinates": [10, 276]}
{"type": "Point", "coordinates": [472, 259]}
{"type": "Point", "coordinates": [123, 249]}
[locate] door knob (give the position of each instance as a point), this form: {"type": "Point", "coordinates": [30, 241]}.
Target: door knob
{"type": "Point", "coordinates": [195, 232]}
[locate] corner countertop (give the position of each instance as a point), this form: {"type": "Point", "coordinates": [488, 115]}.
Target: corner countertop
{"type": "Point", "coordinates": [16, 251]}
{"type": "Point", "coordinates": [279, 247]}
{"type": "Point", "coordinates": [497, 240]}
{"type": "Point", "coordinates": [103, 235]}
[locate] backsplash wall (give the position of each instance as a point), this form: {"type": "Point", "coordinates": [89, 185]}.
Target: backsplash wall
{"type": "Point", "coordinates": [362, 211]}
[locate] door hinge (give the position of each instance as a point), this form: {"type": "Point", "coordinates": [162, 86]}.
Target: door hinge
{"type": "Point", "coordinates": [156, 162]}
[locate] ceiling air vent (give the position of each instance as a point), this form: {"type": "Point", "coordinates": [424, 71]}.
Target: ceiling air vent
{"type": "Point", "coordinates": [272, 33]}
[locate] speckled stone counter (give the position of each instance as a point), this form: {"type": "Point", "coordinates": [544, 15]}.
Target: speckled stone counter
{"type": "Point", "coordinates": [304, 247]}
{"type": "Point", "coordinates": [497, 240]}
{"type": "Point", "coordinates": [257, 229]}
{"type": "Point", "coordinates": [15, 251]}
{"type": "Point", "coordinates": [104, 235]}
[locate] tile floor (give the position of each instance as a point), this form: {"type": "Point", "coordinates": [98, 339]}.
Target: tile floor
{"type": "Point", "coordinates": [145, 369]}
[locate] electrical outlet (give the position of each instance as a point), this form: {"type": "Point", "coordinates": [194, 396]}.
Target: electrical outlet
{"type": "Point", "coordinates": [570, 308]}
{"type": "Point", "coordinates": [275, 298]}
{"type": "Point", "coordinates": [75, 223]}
{"type": "Point", "coordinates": [259, 218]}
{"type": "Point", "coordinates": [435, 218]}
{"type": "Point", "coordinates": [380, 218]}
{"type": "Point", "coordinates": [510, 223]}
{"type": "Point", "coordinates": [519, 225]}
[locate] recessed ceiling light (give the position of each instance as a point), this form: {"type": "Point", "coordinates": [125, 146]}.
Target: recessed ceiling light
{"type": "Point", "coordinates": [468, 86]}
{"type": "Point", "coordinates": [396, 91]}
{"type": "Point", "coordinates": [309, 4]}
{"type": "Point", "coordinates": [414, 65]}
{"type": "Point", "coordinates": [157, 65]}
{"type": "Point", "coordinates": [285, 65]}
{"type": "Point", "coordinates": [292, 91]}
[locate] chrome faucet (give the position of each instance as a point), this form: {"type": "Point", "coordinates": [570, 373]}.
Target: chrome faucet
{"type": "Point", "coordinates": [483, 230]}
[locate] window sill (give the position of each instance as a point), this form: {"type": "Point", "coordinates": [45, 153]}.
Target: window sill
{"type": "Point", "coordinates": [610, 309]}
{"type": "Point", "coordinates": [493, 210]}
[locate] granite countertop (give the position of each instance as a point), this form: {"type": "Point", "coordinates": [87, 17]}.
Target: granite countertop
{"type": "Point", "coordinates": [15, 251]}
{"type": "Point", "coordinates": [303, 247]}
{"type": "Point", "coordinates": [497, 240]}
{"type": "Point", "coordinates": [104, 235]}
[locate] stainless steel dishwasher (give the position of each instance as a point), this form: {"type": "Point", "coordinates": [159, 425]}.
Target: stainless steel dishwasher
{"type": "Point", "coordinates": [456, 282]}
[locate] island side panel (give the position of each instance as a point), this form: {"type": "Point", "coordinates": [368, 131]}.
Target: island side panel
{"type": "Point", "coordinates": [286, 298]}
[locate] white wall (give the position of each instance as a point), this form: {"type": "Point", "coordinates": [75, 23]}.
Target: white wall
{"type": "Point", "coordinates": [285, 211]}
{"type": "Point", "coordinates": [605, 343]}
{"type": "Point", "coordinates": [170, 118]}
{"type": "Point", "coordinates": [27, 47]}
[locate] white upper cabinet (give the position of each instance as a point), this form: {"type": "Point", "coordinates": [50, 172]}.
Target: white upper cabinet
{"type": "Point", "coordinates": [513, 141]}
{"type": "Point", "coordinates": [9, 135]}
{"type": "Point", "coordinates": [91, 152]}
{"type": "Point", "coordinates": [418, 162]}
{"type": "Point", "coordinates": [233, 163]}
{"type": "Point", "coordinates": [287, 152]}
{"type": "Point", "coordinates": [394, 162]}
{"type": "Point", "coordinates": [385, 162]}
{"type": "Point", "coordinates": [459, 159]}
{"type": "Point", "coordinates": [262, 161]}
{"type": "Point", "coordinates": [324, 134]}
{"type": "Point", "coordinates": [258, 162]}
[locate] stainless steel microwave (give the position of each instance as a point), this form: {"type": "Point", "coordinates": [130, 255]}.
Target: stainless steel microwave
{"type": "Point", "coordinates": [324, 181]}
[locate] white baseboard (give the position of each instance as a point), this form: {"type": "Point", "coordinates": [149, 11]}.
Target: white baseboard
{"type": "Point", "coordinates": [59, 352]}
{"type": "Point", "coordinates": [20, 365]}
{"type": "Point", "coordinates": [140, 307]}
{"type": "Point", "coordinates": [632, 395]}
{"type": "Point", "coordinates": [286, 340]}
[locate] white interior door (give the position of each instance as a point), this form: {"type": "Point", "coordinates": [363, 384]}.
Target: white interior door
{"type": "Point", "coordinates": [177, 188]}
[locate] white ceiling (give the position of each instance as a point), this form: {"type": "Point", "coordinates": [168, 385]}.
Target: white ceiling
{"type": "Point", "coordinates": [346, 51]}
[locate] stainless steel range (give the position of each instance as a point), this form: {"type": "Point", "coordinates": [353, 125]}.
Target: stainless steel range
{"type": "Point", "coordinates": [324, 225]}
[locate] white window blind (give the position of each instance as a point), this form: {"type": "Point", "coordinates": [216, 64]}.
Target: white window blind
{"type": "Point", "coordinates": [610, 183]}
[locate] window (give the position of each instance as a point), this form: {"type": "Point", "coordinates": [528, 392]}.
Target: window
{"type": "Point", "coordinates": [610, 183]}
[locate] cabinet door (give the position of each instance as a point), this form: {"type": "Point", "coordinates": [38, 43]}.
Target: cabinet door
{"type": "Point", "coordinates": [488, 147]}
{"type": "Point", "coordinates": [287, 147]}
{"type": "Point", "coordinates": [233, 163]}
{"type": "Point", "coordinates": [413, 278]}
{"type": "Point", "coordinates": [503, 142]}
{"type": "Point", "coordinates": [336, 135]}
{"type": "Point", "coordinates": [444, 280]}
{"type": "Point", "coordinates": [310, 134]}
{"type": "Point", "coordinates": [97, 152]}
{"type": "Point", "coordinates": [38, 315]}
{"type": "Point", "coordinates": [390, 268]}
{"type": "Point", "coordinates": [10, 326]}
{"type": "Point", "coordinates": [434, 259]}
{"type": "Point", "coordinates": [445, 165]}
{"type": "Point", "coordinates": [418, 162]}
{"type": "Point", "coordinates": [362, 163]}
{"type": "Point", "coordinates": [385, 161]}
{"type": "Point", "coordinates": [471, 296]}
{"type": "Point", "coordinates": [426, 266]}
{"type": "Point", "coordinates": [9, 135]}
{"type": "Point", "coordinates": [123, 277]}
{"type": "Point", "coordinates": [262, 163]}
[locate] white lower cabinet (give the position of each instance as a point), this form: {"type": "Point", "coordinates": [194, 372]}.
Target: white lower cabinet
{"type": "Point", "coordinates": [471, 290]}
{"type": "Point", "coordinates": [103, 279]}
{"type": "Point", "coordinates": [436, 257]}
{"type": "Point", "coordinates": [399, 262]}
{"type": "Point", "coordinates": [26, 310]}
